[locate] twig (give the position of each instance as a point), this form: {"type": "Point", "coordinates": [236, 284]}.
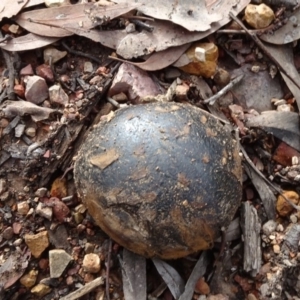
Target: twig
{"type": "Point", "coordinates": [108, 269]}
{"type": "Point", "coordinates": [113, 102]}
{"type": "Point", "coordinates": [224, 90]}
{"type": "Point", "coordinates": [11, 71]}
{"type": "Point", "coordinates": [79, 53]}
{"type": "Point", "coordinates": [249, 161]}
{"type": "Point", "coordinates": [143, 25]}
{"type": "Point", "coordinates": [260, 44]}
{"type": "Point", "coordinates": [84, 290]}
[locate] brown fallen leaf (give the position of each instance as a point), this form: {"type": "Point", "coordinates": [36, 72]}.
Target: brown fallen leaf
{"type": "Point", "coordinates": [27, 42]}
{"type": "Point", "coordinates": [160, 60]}
{"type": "Point", "coordinates": [52, 21]}
{"type": "Point", "coordinates": [21, 108]}
{"type": "Point", "coordinates": [190, 14]}
{"type": "Point", "coordinates": [10, 8]}
{"type": "Point", "coordinates": [13, 268]}
{"type": "Point", "coordinates": [105, 159]}
{"type": "Point", "coordinates": [166, 34]}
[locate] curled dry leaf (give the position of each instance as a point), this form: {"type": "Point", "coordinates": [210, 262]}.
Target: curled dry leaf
{"type": "Point", "coordinates": [10, 8]}
{"type": "Point", "coordinates": [190, 14]}
{"type": "Point", "coordinates": [21, 108]}
{"type": "Point", "coordinates": [171, 277]}
{"type": "Point", "coordinates": [27, 42]}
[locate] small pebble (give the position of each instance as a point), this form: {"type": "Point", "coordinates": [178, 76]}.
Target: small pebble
{"type": "Point", "coordinates": [41, 192]}
{"type": "Point", "coordinates": [91, 263]}
{"type": "Point", "coordinates": [259, 16]}
{"type": "Point", "coordinates": [30, 131]}
{"type": "Point", "coordinates": [8, 233]}
{"type": "Point", "coordinates": [293, 219]}
{"type": "Point", "coordinates": [19, 130]}
{"type": "Point", "coordinates": [88, 67]}
{"type": "Point", "coordinates": [279, 228]}
{"type": "Point", "coordinates": [276, 249]}
{"type": "Point", "coordinates": [269, 227]}
{"type": "Point", "coordinates": [23, 208]}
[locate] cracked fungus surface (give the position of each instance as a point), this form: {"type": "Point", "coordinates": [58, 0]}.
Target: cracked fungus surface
{"type": "Point", "coordinates": [160, 179]}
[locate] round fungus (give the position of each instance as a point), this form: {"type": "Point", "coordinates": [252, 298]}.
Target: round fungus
{"type": "Point", "coordinates": [161, 179]}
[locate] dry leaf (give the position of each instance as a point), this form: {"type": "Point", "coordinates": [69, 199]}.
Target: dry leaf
{"type": "Point", "coordinates": [27, 42]}
{"type": "Point", "coordinates": [105, 159]}
{"type": "Point", "coordinates": [167, 34]}
{"type": "Point", "coordinates": [31, 3]}
{"type": "Point", "coordinates": [171, 277]}
{"type": "Point", "coordinates": [190, 14]}
{"type": "Point", "coordinates": [134, 276]}
{"type": "Point", "coordinates": [284, 55]}
{"type": "Point", "coordinates": [21, 108]}
{"type": "Point", "coordinates": [52, 21]}
{"type": "Point", "coordinates": [162, 59]}
{"type": "Point", "coordinates": [282, 124]}
{"type": "Point", "coordinates": [10, 8]}
{"type": "Point", "coordinates": [13, 268]}
{"type": "Point", "coordinates": [286, 34]}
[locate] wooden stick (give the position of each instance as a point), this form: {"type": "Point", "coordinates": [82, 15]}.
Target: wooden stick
{"type": "Point", "coordinates": [84, 290]}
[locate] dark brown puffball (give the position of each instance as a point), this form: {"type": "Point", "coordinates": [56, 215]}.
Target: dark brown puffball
{"type": "Point", "coordinates": [161, 179]}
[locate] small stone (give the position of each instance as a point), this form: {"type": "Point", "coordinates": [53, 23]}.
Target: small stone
{"type": "Point", "coordinates": [251, 297]}
{"type": "Point", "coordinates": [269, 227]}
{"type": "Point", "coordinates": [44, 211]}
{"type": "Point", "coordinates": [130, 28]}
{"type": "Point", "coordinates": [13, 28]}
{"type": "Point", "coordinates": [19, 130]}
{"type": "Point", "coordinates": [57, 95]}
{"type": "Point", "coordinates": [276, 249]}
{"type": "Point", "coordinates": [181, 91]}
{"type": "Point", "coordinates": [69, 280]}
{"type": "Point", "coordinates": [41, 192]}
{"type": "Point", "coordinates": [16, 227]}
{"type": "Point", "coordinates": [29, 279]}
{"type": "Point", "coordinates": [78, 217]}
{"type": "Point", "coordinates": [3, 186]}
{"type": "Point", "coordinates": [172, 73]}
{"type": "Point", "coordinates": [91, 263]}
{"type": "Point", "coordinates": [41, 290]}
{"type": "Point", "coordinates": [19, 90]}
{"type": "Point", "coordinates": [23, 208]}
{"type": "Point", "coordinates": [53, 55]}
{"type": "Point", "coordinates": [60, 209]}
{"type": "Point", "coordinates": [202, 287]}
{"type": "Point", "coordinates": [282, 206]}
{"type": "Point", "coordinates": [5, 196]}
{"type": "Point", "coordinates": [279, 228]}
{"type": "Point", "coordinates": [45, 72]}
{"type": "Point", "coordinates": [8, 233]}
{"type": "Point", "coordinates": [293, 219]}
{"type": "Point", "coordinates": [259, 16]}
{"type": "Point", "coordinates": [30, 131]}
{"type": "Point", "coordinates": [58, 261]}
{"type": "Point", "coordinates": [17, 242]}
{"type": "Point", "coordinates": [37, 243]}
{"type": "Point", "coordinates": [222, 77]}
{"type": "Point", "coordinates": [27, 71]}
{"type": "Point", "coordinates": [44, 263]}
{"type": "Point", "coordinates": [284, 107]}
{"type": "Point", "coordinates": [89, 248]}
{"type": "Point", "coordinates": [88, 67]}
{"type": "Point", "coordinates": [36, 89]}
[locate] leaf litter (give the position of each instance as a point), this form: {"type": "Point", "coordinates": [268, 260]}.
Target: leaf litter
{"type": "Point", "coordinates": [170, 38]}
